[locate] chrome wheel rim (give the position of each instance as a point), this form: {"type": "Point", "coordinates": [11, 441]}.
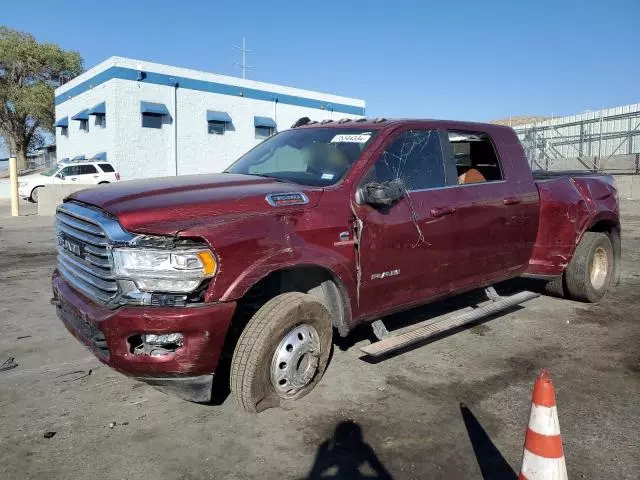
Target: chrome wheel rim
{"type": "Point", "coordinates": [599, 268]}
{"type": "Point", "coordinates": [295, 361]}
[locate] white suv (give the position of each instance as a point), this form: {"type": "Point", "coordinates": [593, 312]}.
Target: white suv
{"type": "Point", "coordinates": [82, 173]}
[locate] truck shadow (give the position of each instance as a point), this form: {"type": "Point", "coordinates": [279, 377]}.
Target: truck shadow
{"type": "Point", "coordinates": [347, 456]}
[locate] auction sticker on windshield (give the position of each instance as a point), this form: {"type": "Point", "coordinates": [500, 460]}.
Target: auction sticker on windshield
{"type": "Point", "coordinates": [351, 138]}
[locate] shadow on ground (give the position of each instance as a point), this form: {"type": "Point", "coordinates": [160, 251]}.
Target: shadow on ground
{"type": "Point", "coordinates": [347, 456]}
{"type": "Point", "coordinates": [491, 462]}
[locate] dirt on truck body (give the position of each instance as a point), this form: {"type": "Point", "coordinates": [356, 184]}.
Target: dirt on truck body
{"type": "Point", "coordinates": [314, 231]}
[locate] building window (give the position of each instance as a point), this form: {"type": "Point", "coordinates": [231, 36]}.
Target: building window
{"type": "Point", "coordinates": [64, 131]}
{"type": "Point", "coordinates": [264, 132]}
{"type": "Point", "coordinates": [101, 121]}
{"type": "Point", "coordinates": [151, 121]}
{"type": "Point", "coordinates": [84, 125]}
{"type": "Point", "coordinates": [217, 128]}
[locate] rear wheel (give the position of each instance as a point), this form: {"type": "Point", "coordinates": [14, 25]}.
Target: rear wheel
{"type": "Point", "coordinates": [591, 270]}
{"type": "Point", "coordinates": [282, 353]}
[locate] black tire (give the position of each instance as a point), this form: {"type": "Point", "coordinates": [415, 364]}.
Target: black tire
{"type": "Point", "coordinates": [580, 283]}
{"type": "Point", "coordinates": [556, 287]}
{"type": "Point", "coordinates": [251, 366]}
{"type": "Point", "coordinates": [34, 195]}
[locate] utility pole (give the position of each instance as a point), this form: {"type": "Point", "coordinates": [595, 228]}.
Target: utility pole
{"type": "Point", "coordinates": [244, 51]}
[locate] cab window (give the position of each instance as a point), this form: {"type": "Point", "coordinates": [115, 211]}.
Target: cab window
{"type": "Point", "coordinates": [475, 157]}
{"type": "Point", "coordinates": [415, 157]}
{"type": "Point", "coordinates": [70, 171]}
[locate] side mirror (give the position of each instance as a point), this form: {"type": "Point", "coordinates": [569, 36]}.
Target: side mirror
{"type": "Point", "coordinates": [381, 194]}
{"type": "Point", "coordinates": [60, 175]}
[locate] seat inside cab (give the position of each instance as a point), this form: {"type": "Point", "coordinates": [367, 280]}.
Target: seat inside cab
{"type": "Point", "coordinates": [476, 159]}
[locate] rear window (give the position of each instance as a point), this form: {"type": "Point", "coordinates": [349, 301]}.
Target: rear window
{"type": "Point", "coordinates": [106, 167]}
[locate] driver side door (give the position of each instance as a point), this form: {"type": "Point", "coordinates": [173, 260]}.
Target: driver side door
{"type": "Point", "coordinates": [69, 174]}
{"type": "Point", "coordinates": [405, 249]}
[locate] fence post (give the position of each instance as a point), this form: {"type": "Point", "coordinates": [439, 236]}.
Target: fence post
{"type": "Point", "coordinates": [637, 163]}
{"type": "Point", "coordinates": [13, 181]}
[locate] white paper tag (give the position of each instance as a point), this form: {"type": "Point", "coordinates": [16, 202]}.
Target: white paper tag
{"type": "Point", "coordinates": [351, 138]}
{"type": "Point", "coordinates": [327, 176]}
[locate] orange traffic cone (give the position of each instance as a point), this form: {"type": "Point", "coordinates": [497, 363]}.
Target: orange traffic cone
{"type": "Point", "coordinates": [543, 453]}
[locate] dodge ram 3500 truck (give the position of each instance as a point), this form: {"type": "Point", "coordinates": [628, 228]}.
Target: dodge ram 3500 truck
{"type": "Point", "coordinates": [315, 230]}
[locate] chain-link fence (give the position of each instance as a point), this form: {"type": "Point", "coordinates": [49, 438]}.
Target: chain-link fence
{"type": "Point", "coordinates": [607, 141]}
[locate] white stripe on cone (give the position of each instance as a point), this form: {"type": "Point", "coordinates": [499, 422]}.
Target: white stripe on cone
{"type": "Point", "coordinates": [544, 420]}
{"type": "Point", "coordinates": [535, 467]}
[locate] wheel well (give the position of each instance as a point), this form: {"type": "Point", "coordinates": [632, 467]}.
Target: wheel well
{"type": "Point", "coordinates": [316, 281]}
{"type": "Point", "coordinates": [613, 231]}
{"type": "Point", "coordinates": [102, 183]}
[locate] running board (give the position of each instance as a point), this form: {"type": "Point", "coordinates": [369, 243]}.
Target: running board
{"type": "Point", "coordinates": [396, 342]}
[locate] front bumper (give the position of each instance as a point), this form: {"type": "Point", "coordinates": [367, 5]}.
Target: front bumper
{"type": "Point", "coordinates": [187, 371]}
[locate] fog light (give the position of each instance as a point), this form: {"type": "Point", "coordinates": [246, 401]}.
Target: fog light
{"type": "Point", "coordinates": [166, 340]}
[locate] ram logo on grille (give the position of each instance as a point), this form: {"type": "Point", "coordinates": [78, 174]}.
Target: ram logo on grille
{"type": "Point", "coordinates": [83, 255]}
{"type": "Point", "coordinates": [72, 247]}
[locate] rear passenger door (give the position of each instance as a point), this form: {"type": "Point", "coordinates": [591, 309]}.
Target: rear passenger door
{"type": "Point", "coordinates": [88, 174]}
{"type": "Point", "coordinates": [488, 226]}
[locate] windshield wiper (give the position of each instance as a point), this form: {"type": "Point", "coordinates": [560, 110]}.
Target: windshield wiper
{"type": "Point", "coordinates": [276, 179]}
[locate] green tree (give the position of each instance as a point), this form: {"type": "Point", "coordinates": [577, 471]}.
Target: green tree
{"type": "Point", "coordinates": [29, 73]}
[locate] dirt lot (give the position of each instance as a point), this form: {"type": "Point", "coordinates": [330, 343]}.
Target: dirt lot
{"type": "Point", "coordinates": [454, 408]}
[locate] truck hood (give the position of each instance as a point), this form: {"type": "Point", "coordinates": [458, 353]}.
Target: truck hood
{"type": "Point", "coordinates": [165, 206]}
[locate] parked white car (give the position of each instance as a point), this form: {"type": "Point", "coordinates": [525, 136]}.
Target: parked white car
{"type": "Point", "coordinates": [82, 173]}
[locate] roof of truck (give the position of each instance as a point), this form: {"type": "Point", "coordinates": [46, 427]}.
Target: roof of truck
{"type": "Point", "coordinates": [384, 123]}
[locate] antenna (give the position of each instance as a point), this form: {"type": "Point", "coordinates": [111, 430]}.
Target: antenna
{"type": "Point", "coordinates": [244, 51]}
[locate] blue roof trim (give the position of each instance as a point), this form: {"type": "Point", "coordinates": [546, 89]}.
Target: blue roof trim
{"type": "Point", "coordinates": [63, 122]}
{"type": "Point", "coordinates": [151, 108]}
{"type": "Point", "coordinates": [213, 116]}
{"type": "Point", "coordinates": [78, 157]}
{"type": "Point", "coordinates": [123, 73]}
{"type": "Point", "coordinates": [81, 115]}
{"type": "Point", "coordinates": [100, 156]}
{"type": "Point", "coordinates": [99, 109]}
{"type": "Point", "coordinates": [264, 122]}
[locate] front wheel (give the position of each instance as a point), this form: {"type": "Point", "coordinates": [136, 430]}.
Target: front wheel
{"type": "Point", "coordinates": [282, 353]}
{"type": "Point", "coordinates": [590, 272]}
{"type": "Point", "coordinates": [34, 194]}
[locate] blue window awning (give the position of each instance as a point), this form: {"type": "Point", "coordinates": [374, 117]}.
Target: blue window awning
{"type": "Point", "coordinates": [81, 115]}
{"type": "Point", "coordinates": [100, 156]}
{"type": "Point", "coordinates": [78, 158]}
{"type": "Point", "coordinates": [149, 108]}
{"type": "Point", "coordinates": [99, 109]}
{"type": "Point", "coordinates": [63, 122]}
{"type": "Point", "coordinates": [264, 122]}
{"type": "Point", "coordinates": [214, 116]}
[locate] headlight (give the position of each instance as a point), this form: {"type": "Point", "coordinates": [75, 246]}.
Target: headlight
{"type": "Point", "coordinates": [155, 270]}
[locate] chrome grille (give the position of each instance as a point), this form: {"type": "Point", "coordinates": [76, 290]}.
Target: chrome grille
{"type": "Point", "coordinates": [84, 258]}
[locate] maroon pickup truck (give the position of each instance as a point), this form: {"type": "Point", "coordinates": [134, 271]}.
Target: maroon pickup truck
{"type": "Point", "coordinates": [316, 230]}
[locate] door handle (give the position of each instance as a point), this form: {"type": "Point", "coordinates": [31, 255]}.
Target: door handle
{"type": "Point", "coordinates": [511, 201]}
{"type": "Point", "coordinates": [96, 176]}
{"type": "Point", "coordinates": [442, 211]}
{"type": "Point", "coordinates": [73, 179]}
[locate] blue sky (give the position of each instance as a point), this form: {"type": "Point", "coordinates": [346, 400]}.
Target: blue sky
{"type": "Point", "coordinates": [472, 60]}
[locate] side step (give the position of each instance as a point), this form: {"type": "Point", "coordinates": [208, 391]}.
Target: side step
{"type": "Point", "coordinates": [449, 322]}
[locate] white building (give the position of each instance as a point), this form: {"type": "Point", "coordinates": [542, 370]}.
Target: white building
{"type": "Point", "coordinates": [154, 120]}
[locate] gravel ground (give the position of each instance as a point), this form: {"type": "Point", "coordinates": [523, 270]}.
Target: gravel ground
{"type": "Point", "coordinates": [454, 408]}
